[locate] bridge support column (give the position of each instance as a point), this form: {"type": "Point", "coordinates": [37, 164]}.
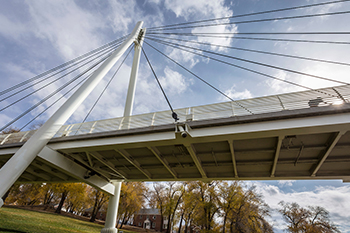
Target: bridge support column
{"type": "Point", "coordinates": [133, 76]}
{"type": "Point", "coordinates": [112, 211]}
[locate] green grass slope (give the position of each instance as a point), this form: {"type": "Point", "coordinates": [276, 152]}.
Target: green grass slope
{"type": "Point", "coordinates": [26, 221]}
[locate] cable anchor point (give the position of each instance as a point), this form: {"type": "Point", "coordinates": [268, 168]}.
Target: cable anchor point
{"type": "Point", "coordinates": [174, 115]}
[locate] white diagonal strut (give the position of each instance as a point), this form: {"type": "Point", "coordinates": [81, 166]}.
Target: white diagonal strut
{"type": "Point", "coordinates": [18, 163]}
{"type": "Point", "coordinates": [277, 154]}
{"type": "Point", "coordinates": [329, 150]}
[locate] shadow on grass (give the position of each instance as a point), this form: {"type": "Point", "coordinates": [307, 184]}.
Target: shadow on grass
{"type": "Point", "coordinates": [10, 230]}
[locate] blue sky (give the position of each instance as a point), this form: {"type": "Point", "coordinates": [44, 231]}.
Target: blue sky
{"type": "Point", "coordinates": [38, 35]}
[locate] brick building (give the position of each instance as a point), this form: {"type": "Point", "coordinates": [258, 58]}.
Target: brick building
{"type": "Point", "coordinates": [150, 219]}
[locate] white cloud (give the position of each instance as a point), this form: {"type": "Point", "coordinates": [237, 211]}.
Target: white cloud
{"type": "Point", "coordinates": [72, 30]}
{"type": "Point", "coordinates": [184, 57]}
{"type": "Point", "coordinates": [173, 82]}
{"type": "Point", "coordinates": [4, 119]}
{"type": "Point", "coordinates": [12, 29]}
{"type": "Point", "coordinates": [236, 95]}
{"type": "Point", "coordinates": [277, 86]}
{"type": "Point", "coordinates": [286, 182]}
{"type": "Point", "coordinates": [199, 8]}
{"type": "Point", "coordinates": [334, 199]}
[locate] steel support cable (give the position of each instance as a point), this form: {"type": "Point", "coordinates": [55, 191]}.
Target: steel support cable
{"type": "Point", "coordinates": [105, 88]}
{"type": "Point", "coordinates": [55, 92]}
{"type": "Point", "coordinates": [173, 114]}
{"type": "Point", "coordinates": [249, 33]}
{"type": "Point", "coordinates": [269, 39]}
{"type": "Point", "coordinates": [251, 14]}
{"type": "Point", "coordinates": [255, 51]}
{"type": "Point", "coordinates": [257, 63]}
{"type": "Point", "coordinates": [47, 108]}
{"type": "Point", "coordinates": [61, 66]}
{"type": "Point", "coordinates": [53, 81]}
{"type": "Point", "coordinates": [250, 70]}
{"type": "Point", "coordinates": [256, 20]}
{"type": "Point", "coordinates": [222, 93]}
{"type": "Point", "coordinates": [104, 51]}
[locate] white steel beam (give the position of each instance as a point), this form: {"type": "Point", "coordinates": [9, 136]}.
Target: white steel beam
{"type": "Point", "coordinates": [67, 166]}
{"type": "Point", "coordinates": [29, 177]}
{"type": "Point", "coordinates": [230, 142]}
{"type": "Point", "coordinates": [277, 154]}
{"type": "Point", "coordinates": [196, 160]}
{"type": "Point", "coordinates": [132, 161]}
{"type": "Point", "coordinates": [329, 150]}
{"type": "Point", "coordinates": [107, 163]}
{"type": "Point", "coordinates": [50, 170]}
{"type": "Point", "coordinates": [43, 176]}
{"type": "Point", "coordinates": [94, 168]}
{"type": "Point", "coordinates": [18, 163]}
{"type": "Point", "coordinates": [89, 159]}
{"type": "Point", "coordinates": [159, 156]}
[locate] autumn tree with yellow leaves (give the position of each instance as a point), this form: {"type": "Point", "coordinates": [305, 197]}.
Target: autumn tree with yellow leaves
{"type": "Point", "coordinates": [311, 219]}
{"type": "Point", "coordinates": [132, 199]}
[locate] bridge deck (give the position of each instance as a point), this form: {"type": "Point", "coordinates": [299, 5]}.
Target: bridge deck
{"type": "Point", "coordinates": [294, 141]}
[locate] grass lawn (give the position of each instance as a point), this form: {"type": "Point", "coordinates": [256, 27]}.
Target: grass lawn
{"type": "Point", "coordinates": [26, 221]}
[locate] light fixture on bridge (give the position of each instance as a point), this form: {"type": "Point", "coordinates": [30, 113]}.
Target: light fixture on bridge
{"type": "Point", "coordinates": [182, 129]}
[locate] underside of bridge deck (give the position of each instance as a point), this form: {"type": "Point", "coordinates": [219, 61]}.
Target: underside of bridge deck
{"type": "Point", "coordinates": [311, 143]}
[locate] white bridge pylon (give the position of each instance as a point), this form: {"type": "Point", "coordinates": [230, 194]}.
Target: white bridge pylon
{"type": "Point", "coordinates": [19, 162]}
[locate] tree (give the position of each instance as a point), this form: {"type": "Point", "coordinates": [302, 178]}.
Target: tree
{"type": "Point", "coordinates": [207, 207]}
{"type": "Point", "coordinates": [228, 195]}
{"type": "Point", "coordinates": [248, 212]}
{"type": "Point", "coordinates": [312, 219]}
{"type": "Point", "coordinates": [132, 198]}
{"type": "Point", "coordinates": [187, 207]}
{"type": "Point", "coordinates": [64, 190]}
{"type": "Point", "coordinates": [99, 199]}
{"type": "Point", "coordinates": [76, 199]}
{"type": "Point", "coordinates": [25, 194]}
{"type": "Point", "coordinates": [10, 130]}
{"type": "Point", "coordinates": [167, 197]}
{"type": "Point", "coordinates": [49, 194]}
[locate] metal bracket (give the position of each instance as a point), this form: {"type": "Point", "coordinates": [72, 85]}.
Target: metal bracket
{"type": "Point", "coordinates": [182, 129]}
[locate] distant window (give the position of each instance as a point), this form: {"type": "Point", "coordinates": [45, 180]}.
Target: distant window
{"type": "Point", "coordinates": [153, 225]}
{"type": "Point", "coordinates": [140, 216]}
{"type": "Point", "coordinates": [165, 226]}
{"type": "Point", "coordinates": [140, 224]}
{"type": "Point", "coordinates": [154, 217]}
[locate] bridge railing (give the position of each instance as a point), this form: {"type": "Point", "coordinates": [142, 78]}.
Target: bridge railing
{"type": "Point", "coordinates": [267, 104]}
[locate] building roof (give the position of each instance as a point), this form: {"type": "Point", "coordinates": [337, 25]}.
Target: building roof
{"type": "Point", "coordinates": [148, 212]}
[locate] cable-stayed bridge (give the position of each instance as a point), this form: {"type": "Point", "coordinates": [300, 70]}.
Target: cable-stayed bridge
{"type": "Point", "coordinates": [286, 137]}
{"type": "Point", "coordinates": [300, 135]}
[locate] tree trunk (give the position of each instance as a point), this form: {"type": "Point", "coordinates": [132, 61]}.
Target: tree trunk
{"type": "Point", "coordinates": [100, 199]}
{"type": "Point", "coordinates": [94, 212]}
{"type": "Point", "coordinates": [6, 195]}
{"type": "Point", "coordinates": [224, 226]}
{"type": "Point", "coordinates": [169, 224]}
{"type": "Point", "coordinates": [63, 198]}
{"type": "Point", "coordinates": [182, 215]}
{"type": "Point", "coordinates": [122, 223]}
